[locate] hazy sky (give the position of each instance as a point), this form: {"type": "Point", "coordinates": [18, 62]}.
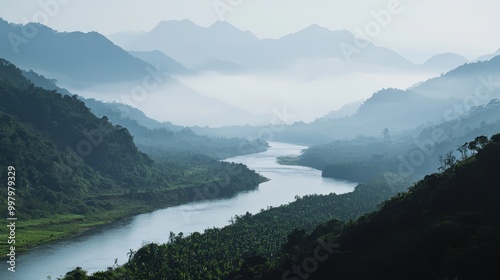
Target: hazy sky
{"type": "Point", "coordinates": [422, 28]}
{"type": "Point", "coordinates": [417, 29]}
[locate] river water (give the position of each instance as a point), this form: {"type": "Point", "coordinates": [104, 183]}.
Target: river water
{"type": "Point", "coordinates": [97, 250]}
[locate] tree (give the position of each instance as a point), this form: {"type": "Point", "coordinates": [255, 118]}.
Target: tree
{"type": "Point", "coordinates": [450, 159]}
{"type": "Point", "coordinates": [473, 147]}
{"type": "Point", "coordinates": [482, 141]}
{"type": "Point", "coordinates": [478, 143]}
{"type": "Point", "coordinates": [447, 161]}
{"type": "Point", "coordinates": [463, 150]}
{"type": "Point", "coordinates": [442, 166]}
{"type": "Point", "coordinates": [76, 274]}
{"type": "Point", "coordinates": [387, 135]}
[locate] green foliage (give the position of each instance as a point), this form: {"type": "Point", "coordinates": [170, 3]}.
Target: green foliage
{"type": "Point", "coordinates": [68, 161]}
{"type": "Point", "coordinates": [364, 158]}
{"type": "Point", "coordinates": [446, 227]}
{"type": "Point", "coordinates": [252, 243]}
{"type": "Point", "coordinates": [154, 137]}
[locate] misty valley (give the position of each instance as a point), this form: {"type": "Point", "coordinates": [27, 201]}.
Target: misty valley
{"type": "Point", "coordinates": [194, 151]}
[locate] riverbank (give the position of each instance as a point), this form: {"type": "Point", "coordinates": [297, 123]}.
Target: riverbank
{"type": "Point", "coordinates": [34, 232]}
{"type": "Point", "coordinates": [115, 241]}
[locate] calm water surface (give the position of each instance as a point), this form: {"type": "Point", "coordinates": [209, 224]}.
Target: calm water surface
{"type": "Point", "coordinates": [98, 249]}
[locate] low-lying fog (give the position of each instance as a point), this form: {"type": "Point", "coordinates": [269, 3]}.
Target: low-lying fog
{"type": "Point", "coordinates": [220, 100]}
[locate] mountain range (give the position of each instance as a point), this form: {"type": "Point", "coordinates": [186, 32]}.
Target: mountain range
{"type": "Point", "coordinates": [163, 62]}
{"type": "Point", "coordinates": [153, 136]}
{"type": "Point", "coordinates": [222, 41]}
{"type": "Point", "coordinates": [488, 56]}
{"type": "Point", "coordinates": [90, 65]}
{"type": "Point", "coordinates": [74, 58]}
{"type": "Point", "coordinates": [108, 72]}
{"type": "Point", "coordinates": [443, 98]}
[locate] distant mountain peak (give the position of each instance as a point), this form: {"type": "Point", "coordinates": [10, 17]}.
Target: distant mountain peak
{"type": "Point", "coordinates": [488, 56]}
{"type": "Point", "coordinates": [315, 28]}
{"type": "Point", "coordinates": [183, 23]}
{"type": "Point", "coordinates": [221, 24]}
{"type": "Point", "coordinates": [75, 58]}
{"type": "Point", "coordinates": [179, 21]}
{"type": "Point", "coordinates": [316, 32]}
{"type": "Point", "coordinates": [445, 61]}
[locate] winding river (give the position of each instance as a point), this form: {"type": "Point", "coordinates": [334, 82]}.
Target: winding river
{"type": "Point", "coordinates": [97, 249]}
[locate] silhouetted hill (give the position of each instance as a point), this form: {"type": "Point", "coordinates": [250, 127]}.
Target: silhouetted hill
{"type": "Point", "coordinates": [445, 62]}
{"type": "Point", "coordinates": [68, 123]}
{"type": "Point", "coordinates": [476, 82]}
{"type": "Point", "coordinates": [70, 161]}
{"type": "Point", "coordinates": [346, 111]}
{"type": "Point", "coordinates": [414, 153]}
{"type": "Point", "coordinates": [88, 63]}
{"type": "Point", "coordinates": [442, 98]}
{"type": "Point", "coordinates": [193, 45]}
{"type": "Point", "coordinates": [67, 150]}
{"type": "Point", "coordinates": [488, 56]}
{"type": "Point", "coordinates": [446, 227]}
{"type": "Point", "coordinates": [163, 62]}
{"type": "Point", "coordinates": [158, 137]}
{"type": "Point", "coordinates": [75, 58]}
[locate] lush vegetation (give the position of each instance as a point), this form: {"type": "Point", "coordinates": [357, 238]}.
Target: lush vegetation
{"type": "Point", "coordinates": [168, 138]}
{"type": "Point", "coordinates": [250, 239]}
{"type": "Point", "coordinates": [445, 227]}
{"type": "Point", "coordinates": [445, 97]}
{"type": "Point", "coordinates": [412, 153]}
{"type": "Point", "coordinates": [153, 137]}
{"type": "Point", "coordinates": [82, 170]}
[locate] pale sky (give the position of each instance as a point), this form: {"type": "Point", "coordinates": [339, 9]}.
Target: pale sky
{"type": "Point", "coordinates": [420, 29]}
{"type": "Point", "coordinates": [416, 29]}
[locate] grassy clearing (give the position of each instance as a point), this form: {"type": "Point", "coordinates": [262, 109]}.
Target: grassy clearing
{"type": "Point", "coordinates": [34, 232]}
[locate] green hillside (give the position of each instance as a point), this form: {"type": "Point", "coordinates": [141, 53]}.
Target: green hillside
{"type": "Point", "coordinates": [364, 158]}
{"type": "Point", "coordinates": [75, 170]}
{"type": "Point", "coordinates": [444, 227]}
{"type": "Point", "coordinates": [154, 137]}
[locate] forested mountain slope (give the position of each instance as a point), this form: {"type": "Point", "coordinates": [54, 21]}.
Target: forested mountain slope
{"type": "Point", "coordinates": [81, 170]}
{"type": "Point", "coordinates": [446, 227]}
{"type": "Point", "coordinates": [411, 153]}
{"type": "Point", "coordinates": [153, 137]}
